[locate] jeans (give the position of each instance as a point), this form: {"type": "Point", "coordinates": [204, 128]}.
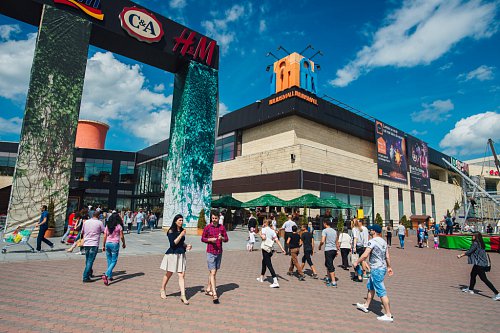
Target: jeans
{"type": "Point", "coordinates": [41, 238]}
{"type": "Point", "coordinates": [376, 281]}
{"type": "Point", "coordinates": [90, 254]}
{"type": "Point", "coordinates": [151, 224]}
{"type": "Point", "coordinates": [449, 230]}
{"type": "Point", "coordinates": [112, 250]}
{"type": "Point", "coordinates": [139, 227]}
{"type": "Point", "coordinates": [66, 234]}
{"type": "Point", "coordinates": [266, 263]}
{"type": "Point", "coordinates": [402, 241]}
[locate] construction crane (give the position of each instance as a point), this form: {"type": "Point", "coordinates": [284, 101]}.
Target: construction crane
{"type": "Point", "coordinates": [495, 157]}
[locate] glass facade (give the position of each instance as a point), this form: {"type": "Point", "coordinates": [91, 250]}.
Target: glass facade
{"type": "Point", "coordinates": [433, 207]}
{"type": "Point", "coordinates": [224, 148]}
{"type": "Point", "coordinates": [412, 200]}
{"type": "Point", "coordinates": [150, 183]}
{"type": "Point", "coordinates": [387, 206]}
{"type": "Point", "coordinates": [400, 203]}
{"type": "Point", "coordinates": [355, 200]}
{"type": "Point", "coordinates": [127, 172]}
{"type": "Point", "coordinates": [424, 206]}
{"type": "Point", "coordinates": [93, 170]}
{"type": "Point", "coordinates": [7, 163]}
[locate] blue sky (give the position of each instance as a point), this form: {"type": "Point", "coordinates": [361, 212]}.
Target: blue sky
{"type": "Point", "coordinates": [428, 67]}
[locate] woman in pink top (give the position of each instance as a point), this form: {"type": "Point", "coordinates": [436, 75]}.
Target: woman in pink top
{"type": "Point", "coordinates": [112, 235]}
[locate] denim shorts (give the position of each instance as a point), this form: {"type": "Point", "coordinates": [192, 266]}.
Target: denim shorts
{"type": "Point", "coordinates": [213, 261]}
{"type": "Point", "coordinates": [376, 281]}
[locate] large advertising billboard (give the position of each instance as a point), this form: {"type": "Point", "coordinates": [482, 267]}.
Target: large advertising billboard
{"type": "Point", "coordinates": [418, 156]}
{"type": "Point", "coordinates": [391, 152]}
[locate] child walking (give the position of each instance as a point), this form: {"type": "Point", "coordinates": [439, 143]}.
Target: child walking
{"type": "Point", "coordinates": [251, 239]}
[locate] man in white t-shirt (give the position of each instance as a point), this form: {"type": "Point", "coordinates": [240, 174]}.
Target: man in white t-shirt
{"type": "Point", "coordinates": [288, 225]}
{"type": "Point", "coordinates": [380, 263]}
{"type": "Point", "coordinates": [401, 235]}
{"type": "Point", "coordinates": [360, 241]}
{"type": "Point", "coordinates": [221, 219]}
{"type": "Point", "coordinates": [139, 218]}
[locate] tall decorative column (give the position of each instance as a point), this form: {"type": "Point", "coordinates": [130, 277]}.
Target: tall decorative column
{"type": "Point", "coordinates": [45, 157]}
{"type": "Point", "coordinates": [188, 187]}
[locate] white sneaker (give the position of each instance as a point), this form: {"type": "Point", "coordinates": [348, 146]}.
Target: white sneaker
{"type": "Point", "coordinates": [362, 307]}
{"type": "Point", "coordinates": [496, 297]}
{"type": "Point", "coordinates": [260, 279]}
{"type": "Point", "coordinates": [468, 291]}
{"type": "Point", "coordinates": [385, 318]}
{"type": "Point", "coordinates": [274, 285]}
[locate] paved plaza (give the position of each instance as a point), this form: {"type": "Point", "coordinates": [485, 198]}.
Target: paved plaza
{"type": "Point", "coordinates": [47, 295]}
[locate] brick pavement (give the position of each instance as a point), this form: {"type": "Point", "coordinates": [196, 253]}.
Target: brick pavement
{"type": "Point", "coordinates": [48, 296]}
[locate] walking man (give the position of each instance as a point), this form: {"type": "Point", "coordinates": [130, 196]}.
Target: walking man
{"type": "Point", "coordinates": [401, 235]}
{"type": "Point", "coordinates": [380, 264]}
{"type": "Point", "coordinates": [43, 223]}
{"type": "Point", "coordinates": [329, 238]}
{"type": "Point", "coordinates": [139, 218]}
{"type": "Point", "coordinates": [214, 235]}
{"type": "Point", "coordinates": [91, 234]}
{"type": "Point", "coordinates": [288, 225]}
{"type": "Point", "coordinates": [308, 243]}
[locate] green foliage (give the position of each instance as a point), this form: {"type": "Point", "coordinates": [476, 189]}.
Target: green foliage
{"type": "Point", "coordinates": [281, 219]}
{"type": "Point", "coordinates": [51, 210]}
{"type": "Point", "coordinates": [304, 217]}
{"type": "Point", "coordinates": [378, 220]}
{"type": "Point", "coordinates": [201, 220]}
{"type": "Point", "coordinates": [448, 214]}
{"type": "Point", "coordinates": [456, 207]}
{"type": "Point", "coordinates": [340, 223]}
{"type": "Point", "coordinates": [157, 210]}
{"type": "Point", "coordinates": [404, 221]}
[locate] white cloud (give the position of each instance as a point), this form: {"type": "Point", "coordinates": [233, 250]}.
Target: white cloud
{"type": "Point", "coordinates": [482, 73]}
{"type": "Point", "coordinates": [219, 28]}
{"type": "Point", "coordinates": [262, 26]}
{"type": "Point", "coordinates": [434, 112]}
{"type": "Point", "coordinates": [159, 87]}
{"type": "Point", "coordinates": [469, 136]}
{"type": "Point", "coordinates": [420, 32]}
{"type": "Point", "coordinates": [446, 66]}
{"type": "Point", "coordinates": [7, 30]}
{"type": "Point", "coordinates": [223, 109]}
{"type": "Point", "coordinates": [177, 4]}
{"type": "Point", "coordinates": [10, 126]}
{"type": "Point", "coordinates": [152, 127]}
{"type": "Point", "coordinates": [418, 133]}
{"type": "Point", "coordinates": [16, 58]}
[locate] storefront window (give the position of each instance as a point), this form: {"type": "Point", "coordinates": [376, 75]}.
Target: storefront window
{"type": "Point", "coordinates": [424, 207]}
{"type": "Point", "coordinates": [123, 203]}
{"type": "Point", "coordinates": [7, 163]}
{"type": "Point", "coordinates": [127, 172]}
{"type": "Point", "coordinates": [95, 201]}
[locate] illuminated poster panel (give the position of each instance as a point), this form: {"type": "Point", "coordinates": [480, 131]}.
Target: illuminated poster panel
{"type": "Point", "coordinates": [391, 153]}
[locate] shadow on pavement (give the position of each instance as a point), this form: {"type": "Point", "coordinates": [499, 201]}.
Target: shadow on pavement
{"type": "Point", "coordinates": [124, 277]}
{"type": "Point", "coordinates": [226, 287]}
{"type": "Point", "coordinates": [190, 291]}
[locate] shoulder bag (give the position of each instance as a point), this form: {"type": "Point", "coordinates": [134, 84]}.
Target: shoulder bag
{"type": "Point", "coordinates": [267, 244]}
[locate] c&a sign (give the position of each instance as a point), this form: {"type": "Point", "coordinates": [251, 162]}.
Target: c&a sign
{"type": "Point", "coordinates": [141, 25]}
{"type": "Point", "coordinates": [89, 7]}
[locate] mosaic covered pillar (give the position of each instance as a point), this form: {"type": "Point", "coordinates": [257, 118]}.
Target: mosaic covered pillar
{"type": "Point", "coordinates": [188, 187]}
{"type": "Point", "coordinates": [45, 157]}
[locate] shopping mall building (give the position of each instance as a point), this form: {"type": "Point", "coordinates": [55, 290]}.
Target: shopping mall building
{"type": "Point", "coordinates": [288, 144]}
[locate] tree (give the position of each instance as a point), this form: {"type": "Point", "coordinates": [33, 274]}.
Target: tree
{"type": "Point", "coordinates": [378, 220]}
{"type": "Point", "coordinates": [404, 221]}
{"type": "Point", "coordinates": [281, 219]}
{"type": "Point", "coordinates": [456, 207]}
{"type": "Point", "coordinates": [304, 217]}
{"type": "Point", "coordinates": [51, 209]}
{"type": "Point", "coordinates": [448, 214]}
{"type": "Point", "coordinates": [340, 223]}
{"type": "Point", "coordinates": [201, 220]}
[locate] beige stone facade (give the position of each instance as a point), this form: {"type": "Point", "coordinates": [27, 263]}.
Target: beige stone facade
{"type": "Point", "coordinates": [268, 149]}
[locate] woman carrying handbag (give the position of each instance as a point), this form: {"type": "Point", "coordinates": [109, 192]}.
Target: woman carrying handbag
{"type": "Point", "coordinates": [269, 237]}
{"type": "Point", "coordinates": [481, 264]}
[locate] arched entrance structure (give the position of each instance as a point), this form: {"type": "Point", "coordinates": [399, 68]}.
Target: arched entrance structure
{"type": "Point", "coordinates": [66, 29]}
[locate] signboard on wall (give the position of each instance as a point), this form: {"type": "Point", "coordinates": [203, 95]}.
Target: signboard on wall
{"type": "Point", "coordinates": [391, 153]}
{"type": "Point", "coordinates": [418, 162]}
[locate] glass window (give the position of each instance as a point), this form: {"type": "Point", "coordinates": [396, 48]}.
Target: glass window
{"type": "Point", "coordinates": [424, 208]}
{"type": "Point", "coordinates": [387, 205]}
{"type": "Point", "coordinates": [224, 148]}
{"type": "Point", "coordinates": [127, 172]}
{"type": "Point", "coordinates": [412, 199]}
{"type": "Point", "coordinates": [123, 203]}
{"type": "Point", "coordinates": [93, 170]}
{"type": "Point", "coordinates": [400, 203]}
{"type": "Point", "coordinates": [7, 163]}
{"type": "Point", "coordinates": [89, 200]}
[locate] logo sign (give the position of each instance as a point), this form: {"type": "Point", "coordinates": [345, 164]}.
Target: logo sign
{"type": "Point", "coordinates": [90, 7]}
{"type": "Point", "coordinates": [185, 45]}
{"type": "Point", "coordinates": [291, 94]}
{"type": "Point", "coordinates": [141, 25]}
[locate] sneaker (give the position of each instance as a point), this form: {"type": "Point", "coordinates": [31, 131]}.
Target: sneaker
{"type": "Point", "coordinates": [289, 273]}
{"type": "Point", "coordinates": [315, 276]}
{"type": "Point", "coordinates": [274, 285]}
{"type": "Point", "coordinates": [386, 318]}
{"type": "Point", "coordinates": [260, 279]}
{"type": "Point", "coordinates": [52, 247]}
{"type": "Point", "coordinates": [496, 297]}
{"type": "Point", "coordinates": [105, 280]}
{"type": "Point", "coordinates": [302, 278]}
{"type": "Point", "coordinates": [365, 277]}
{"type": "Point", "coordinates": [467, 290]}
{"type": "Point", "coordinates": [87, 281]}
{"type": "Point", "coordinates": [362, 307]}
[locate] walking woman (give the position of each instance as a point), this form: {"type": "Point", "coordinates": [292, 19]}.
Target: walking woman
{"type": "Point", "coordinates": [481, 264]}
{"type": "Point", "coordinates": [269, 237]}
{"type": "Point", "coordinates": [174, 260]}
{"type": "Point", "coordinates": [389, 235]}
{"type": "Point", "coordinates": [345, 242]}
{"type": "Point", "coordinates": [111, 244]}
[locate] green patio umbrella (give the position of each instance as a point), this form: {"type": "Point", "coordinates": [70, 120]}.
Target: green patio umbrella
{"type": "Point", "coordinates": [226, 201]}
{"type": "Point", "coordinates": [339, 204]}
{"type": "Point", "coordinates": [310, 201]}
{"type": "Point", "coordinates": [267, 200]}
